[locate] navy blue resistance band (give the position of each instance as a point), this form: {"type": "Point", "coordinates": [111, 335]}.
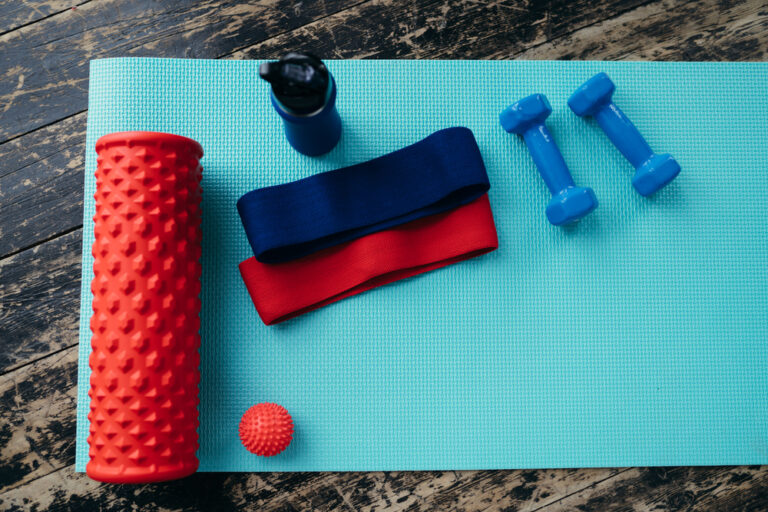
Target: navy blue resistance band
{"type": "Point", "coordinates": [289, 221]}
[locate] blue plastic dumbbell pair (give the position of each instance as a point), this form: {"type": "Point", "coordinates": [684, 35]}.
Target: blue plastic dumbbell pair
{"type": "Point", "coordinates": [570, 203]}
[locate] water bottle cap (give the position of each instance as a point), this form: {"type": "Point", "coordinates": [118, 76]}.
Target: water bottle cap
{"type": "Point", "coordinates": [300, 81]}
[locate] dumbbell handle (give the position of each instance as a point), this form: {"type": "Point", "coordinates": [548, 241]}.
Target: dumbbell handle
{"type": "Point", "coordinates": [624, 135]}
{"type": "Point", "coordinates": [548, 158]}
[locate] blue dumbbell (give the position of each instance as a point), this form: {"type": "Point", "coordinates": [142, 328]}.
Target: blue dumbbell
{"type": "Point", "coordinates": [569, 203]}
{"type": "Point", "coordinates": [653, 171]}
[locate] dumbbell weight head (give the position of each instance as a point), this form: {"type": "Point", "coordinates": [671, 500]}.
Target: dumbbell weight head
{"type": "Point", "coordinates": [570, 205]}
{"type": "Point", "coordinates": [592, 95]}
{"type": "Point", "coordinates": [530, 111]}
{"type": "Point", "coordinates": [654, 174]}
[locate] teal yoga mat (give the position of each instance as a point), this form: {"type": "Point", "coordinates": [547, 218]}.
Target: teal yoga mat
{"type": "Point", "coordinates": [637, 337]}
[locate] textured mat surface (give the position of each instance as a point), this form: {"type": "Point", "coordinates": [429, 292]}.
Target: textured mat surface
{"type": "Point", "coordinates": [638, 337]}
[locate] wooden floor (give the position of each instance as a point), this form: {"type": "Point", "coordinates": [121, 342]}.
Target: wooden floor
{"type": "Point", "coordinates": [45, 46]}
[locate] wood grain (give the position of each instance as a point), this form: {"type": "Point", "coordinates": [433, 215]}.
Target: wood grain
{"type": "Point", "coordinates": [696, 30]}
{"type": "Point", "coordinates": [458, 29]}
{"type": "Point", "coordinates": [43, 80]}
{"type": "Point", "coordinates": [39, 301]}
{"type": "Point", "coordinates": [41, 184]}
{"type": "Point", "coordinates": [363, 492]}
{"type": "Point", "coordinates": [14, 14]}
{"type": "Point", "coordinates": [37, 428]}
{"type": "Point", "coordinates": [46, 64]}
{"type": "Point", "coordinates": [671, 489]}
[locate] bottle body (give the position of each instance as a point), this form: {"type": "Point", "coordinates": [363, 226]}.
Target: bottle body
{"type": "Point", "coordinates": [315, 133]}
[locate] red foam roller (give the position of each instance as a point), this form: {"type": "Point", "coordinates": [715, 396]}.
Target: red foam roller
{"type": "Point", "coordinates": [146, 308]}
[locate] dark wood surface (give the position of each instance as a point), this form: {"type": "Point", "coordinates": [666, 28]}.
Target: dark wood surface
{"type": "Point", "coordinates": [45, 46]}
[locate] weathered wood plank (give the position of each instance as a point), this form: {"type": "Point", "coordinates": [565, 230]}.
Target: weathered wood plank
{"type": "Point", "coordinates": [468, 491]}
{"type": "Point", "coordinates": [15, 14]}
{"type": "Point", "coordinates": [672, 489]}
{"type": "Point", "coordinates": [39, 301]}
{"type": "Point", "coordinates": [458, 29]}
{"type": "Point", "coordinates": [45, 65]}
{"type": "Point", "coordinates": [41, 184]}
{"type": "Point", "coordinates": [37, 427]}
{"type": "Point", "coordinates": [362, 492]}
{"type": "Point", "coordinates": [699, 30]}
{"type": "Point", "coordinates": [639, 489]}
{"type": "Point", "coordinates": [66, 490]}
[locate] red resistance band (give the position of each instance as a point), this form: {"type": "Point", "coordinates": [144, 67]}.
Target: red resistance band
{"type": "Point", "coordinates": [285, 290]}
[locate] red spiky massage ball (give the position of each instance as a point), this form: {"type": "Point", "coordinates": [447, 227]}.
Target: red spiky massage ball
{"type": "Point", "coordinates": [266, 429]}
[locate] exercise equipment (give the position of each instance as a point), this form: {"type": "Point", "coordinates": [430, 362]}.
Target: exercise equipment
{"type": "Point", "coordinates": [637, 337]}
{"type": "Point", "coordinates": [286, 222]}
{"type": "Point", "coordinates": [304, 94]}
{"type": "Point", "coordinates": [266, 429]}
{"type": "Point", "coordinates": [286, 290]}
{"type": "Point", "coordinates": [569, 203]}
{"type": "Point", "coordinates": [146, 285]}
{"type": "Point", "coordinates": [593, 98]}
